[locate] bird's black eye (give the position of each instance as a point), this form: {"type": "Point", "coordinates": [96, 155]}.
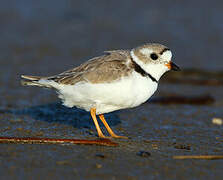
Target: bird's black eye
{"type": "Point", "coordinates": [154, 56]}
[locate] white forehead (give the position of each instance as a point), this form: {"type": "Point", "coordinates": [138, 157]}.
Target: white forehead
{"type": "Point", "coordinates": [167, 55]}
{"type": "Point", "coordinates": [146, 51]}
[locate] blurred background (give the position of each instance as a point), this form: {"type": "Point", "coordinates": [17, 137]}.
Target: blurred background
{"type": "Point", "coordinates": [47, 37]}
{"type": "Point", "coordinates": [41, 38]}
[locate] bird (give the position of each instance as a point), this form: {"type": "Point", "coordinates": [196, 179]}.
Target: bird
{"type": "Point", "coordinates": [118, 79]}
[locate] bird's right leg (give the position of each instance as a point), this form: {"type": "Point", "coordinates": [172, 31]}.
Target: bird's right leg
{"type": "Point", "coordinates": [101, 116]}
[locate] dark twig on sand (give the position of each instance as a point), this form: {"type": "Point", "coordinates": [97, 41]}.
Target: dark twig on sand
{"type": "Point", "coordinates": [182, 99]}
{"type": "Point", "coordinates": [15, 140]}
{"type": "Point", "coordinates": [196, 77]}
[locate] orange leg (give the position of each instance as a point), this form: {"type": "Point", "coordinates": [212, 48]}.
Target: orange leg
{"type": "Point", "coordinates": [93, 115]}
{"type": "Point", "coordinates": [101, 116]}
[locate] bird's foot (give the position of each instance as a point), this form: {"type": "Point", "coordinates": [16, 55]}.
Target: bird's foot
{"type": "Point", "coordinates": [119, 137]}
{"type": "Point", "coordinates": [113, 136]}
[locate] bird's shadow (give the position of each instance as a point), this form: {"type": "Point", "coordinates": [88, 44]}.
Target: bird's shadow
{"type": "Point", "coordinates": [57, 113]}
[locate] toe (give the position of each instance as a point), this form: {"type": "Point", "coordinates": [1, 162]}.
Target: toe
{"type": "Point", "coordinates": [119, 137]}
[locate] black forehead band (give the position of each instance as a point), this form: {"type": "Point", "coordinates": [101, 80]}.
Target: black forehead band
{"type": "Point", "coordinates": [164, 50]}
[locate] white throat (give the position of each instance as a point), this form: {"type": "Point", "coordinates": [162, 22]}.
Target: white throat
{"type": "Point", "coordinates": [155, 70]}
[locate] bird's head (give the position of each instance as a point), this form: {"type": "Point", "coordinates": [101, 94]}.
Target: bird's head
{"type": "Point", "coordinates": [154, 58]}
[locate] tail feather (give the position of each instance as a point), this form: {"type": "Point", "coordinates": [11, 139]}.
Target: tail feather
{"type": "Point", "coordinates": [33, 78]}
{"type": "Point", "coordinates": [33, 81]}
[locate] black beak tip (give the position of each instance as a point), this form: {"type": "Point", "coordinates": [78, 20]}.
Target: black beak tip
{"type": "Point", "coordinates": [174, 67]}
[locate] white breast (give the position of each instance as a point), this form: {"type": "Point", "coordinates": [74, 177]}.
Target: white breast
{"type": "Point", "coordinates": [128, 92]}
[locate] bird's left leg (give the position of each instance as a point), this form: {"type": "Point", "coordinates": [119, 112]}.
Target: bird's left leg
{"type": "Point", "coordinates": [93, 115]}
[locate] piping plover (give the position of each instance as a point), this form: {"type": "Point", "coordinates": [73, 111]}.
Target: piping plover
{"type": "Point", "coordinates": [117, 80]}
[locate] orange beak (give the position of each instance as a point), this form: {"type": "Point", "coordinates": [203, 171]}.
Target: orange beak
{"type": "Point", "coordinates": [172, 66]}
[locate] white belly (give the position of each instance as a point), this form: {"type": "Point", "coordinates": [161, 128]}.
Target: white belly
{"type": "Point", "coordinates": [107, 97]}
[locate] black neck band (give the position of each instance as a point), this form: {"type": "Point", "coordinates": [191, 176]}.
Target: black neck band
{"type": "Point", "coordinates": [139, 70]}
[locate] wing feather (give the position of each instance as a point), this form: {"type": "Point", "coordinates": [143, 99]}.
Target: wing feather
{"type": "Point", "coordinates": [106, 68]}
